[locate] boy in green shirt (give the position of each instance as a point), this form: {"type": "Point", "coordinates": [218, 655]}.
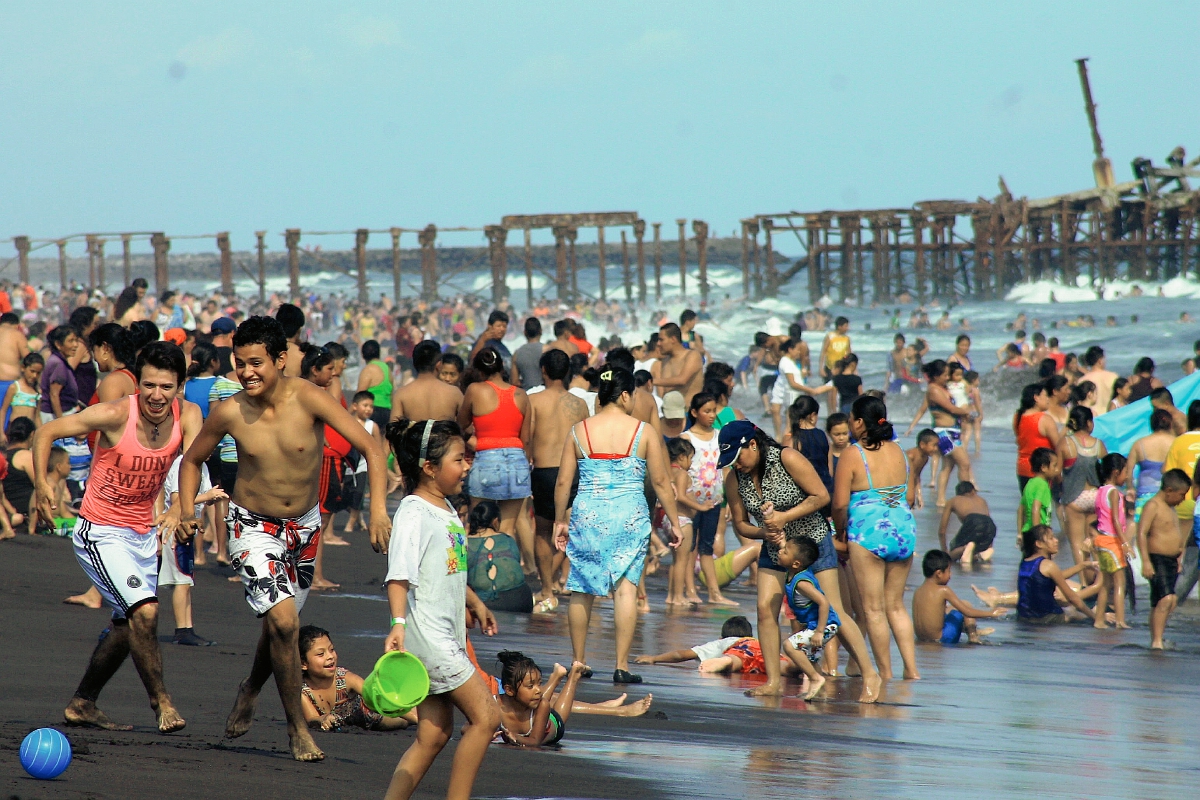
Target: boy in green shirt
{"type": "Point", "coordinates": [1036, 503]}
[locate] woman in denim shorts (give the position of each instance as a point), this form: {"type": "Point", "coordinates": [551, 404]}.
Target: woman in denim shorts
{"type": "Point", "coordinates": [496, 409]}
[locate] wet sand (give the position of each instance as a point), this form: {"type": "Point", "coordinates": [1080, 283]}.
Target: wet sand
{"type": "Point", "coordinates": [1064, 711]}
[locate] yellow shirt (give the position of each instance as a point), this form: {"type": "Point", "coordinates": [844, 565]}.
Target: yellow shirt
{"type": "Point", "coordinates": [838, 348]}
{"type": "Point", "coordinates": [1182, 455]}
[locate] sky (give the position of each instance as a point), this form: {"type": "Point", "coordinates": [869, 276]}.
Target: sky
{"type": "Point", "coordinates": [197, 118]}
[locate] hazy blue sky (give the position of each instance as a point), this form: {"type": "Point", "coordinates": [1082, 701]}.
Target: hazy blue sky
{"type": "Point", "coordinates": [202, 117]}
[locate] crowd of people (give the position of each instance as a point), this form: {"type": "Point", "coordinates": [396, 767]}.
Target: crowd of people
{"type": "Point", "coordinates": [556, 471]}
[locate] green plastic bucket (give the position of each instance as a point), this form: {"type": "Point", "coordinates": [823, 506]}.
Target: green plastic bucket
{"type": "Point", "coordinates": [398, 684]}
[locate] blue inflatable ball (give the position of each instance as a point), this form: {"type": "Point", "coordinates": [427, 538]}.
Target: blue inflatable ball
{"type": "Point", "coordinates": [45, 754]}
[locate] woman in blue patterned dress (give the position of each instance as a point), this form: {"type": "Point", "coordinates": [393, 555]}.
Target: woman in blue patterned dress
{"type": "Point", "coordinates": [872, 496]}
{"type": "Point", "coordinates": [609, 529]}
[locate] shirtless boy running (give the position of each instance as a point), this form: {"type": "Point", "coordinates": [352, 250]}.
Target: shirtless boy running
{"type": "Point", "coordinates": [552, 413]}
{"type": "Point", "coordinates": [274, 520]}
{"type": "Point", "coordinates": [140, 437]}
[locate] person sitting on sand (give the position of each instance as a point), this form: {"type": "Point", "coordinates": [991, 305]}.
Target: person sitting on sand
{"type": "Point", "coordinates": [494, 562]}
{"type": "Point", "coordinates": [542, 711]}
{"type": "Point", "coordinates": [1041, 585]}
{"type": "Point", "coordinates": [817, 620]}
{"type": "Point", "coordinates": [736, 651]}
{"type": "Point", "coordinates": [333, 695]}
{"type": "Point", "coordinates": [931, 621]}
{"type": "Point", "coordinates": [976, 530]}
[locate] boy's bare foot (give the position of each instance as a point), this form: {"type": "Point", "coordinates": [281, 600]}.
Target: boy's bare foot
{"type": "Point", "coordinates": [814, 686]}
{"type": "Point", "coordinates": [985, 631]}
{"type": "Point", "coordinates": [870, 690]}
{"type": "Point", "coordinates": [333, 539]}
{"type": "Point", "coordinates": [766, 690]}
{"type": "Point", "coordinates": [637, 707]}
{"type": "Point", "coordinates": [1122, 626]}
{"type": "Point", "coordinates": [912, 675]}
{"type": "Point", "coordinates": [242, 716]}
{"type": "Point", "coordinates": [986, 555]}
{"type": "Point", "coordinates": [721, 600]}
{"type": "Point", "coordinates": [988, 597]}
{"type": "Point", "coordinates": [323, 585]}
{"type": "Point", "coordinates": [643, 605]}
{"type": "Point", "coordinates": [81, 713]}
{"type": "Point", "coordinates": [169, 720]}
{"type": "Point", "coordinates": [1100, 623]}
{"type": "Point", "coordinates": [7, 535]}
{"type": "Point", "coordinates": [619, 701]}
{"type": "Point", "coordinates": [303, 746]}
{"type": "Point", "coordinates": [89, 599]}
{"type": "Point", "coordinates": [692, 599]}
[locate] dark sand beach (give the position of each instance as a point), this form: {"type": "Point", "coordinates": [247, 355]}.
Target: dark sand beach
{"type": "Point", "coordinates": [1063, 711]}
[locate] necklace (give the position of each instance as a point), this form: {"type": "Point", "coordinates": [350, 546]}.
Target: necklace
{"type": "Point", "coordinates": [154, 433]}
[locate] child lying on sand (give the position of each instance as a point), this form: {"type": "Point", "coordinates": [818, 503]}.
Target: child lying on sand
{"type": "Point", "coordinates": [736, 651]}
{"type": "Point", "coordinates": [532, 715]}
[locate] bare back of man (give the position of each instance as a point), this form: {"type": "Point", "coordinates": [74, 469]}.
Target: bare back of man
{"type": "Point", "coordinates": [552, 413]}
{"type": "Point", "coordinates": [564, 344]}
{"type": "Point", "coordinates": [426, 397]}
{"type": "Point", "coordinates": [13, 348]}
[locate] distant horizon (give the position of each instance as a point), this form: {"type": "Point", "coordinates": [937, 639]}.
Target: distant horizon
{"type": "Point", "coordinates": [198, 119]}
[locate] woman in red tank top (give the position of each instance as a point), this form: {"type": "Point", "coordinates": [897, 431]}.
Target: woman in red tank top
{"type": "Point", "coordinates": [1033, 427]}
{"type": "Point", "coordinates": [497, 410]}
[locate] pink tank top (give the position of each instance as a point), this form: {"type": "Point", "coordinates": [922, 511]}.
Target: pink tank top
{"type": "Point", "coordinates": [126, 479]}
{"type": "Point", "coordinates": [1104, 516]}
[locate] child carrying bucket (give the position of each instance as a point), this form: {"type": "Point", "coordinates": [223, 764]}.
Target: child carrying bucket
{"type": "Point", "coordinates": [427, 592]}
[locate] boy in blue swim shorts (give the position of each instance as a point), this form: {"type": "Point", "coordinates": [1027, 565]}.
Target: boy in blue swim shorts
{"type": "Point", "coordinates": [931, 621]}
{"type": "Point", "coordinates": [817, 620]}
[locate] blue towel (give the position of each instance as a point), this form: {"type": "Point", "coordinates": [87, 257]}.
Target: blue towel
{"type": "Point", "coordinates": [1119, 429]}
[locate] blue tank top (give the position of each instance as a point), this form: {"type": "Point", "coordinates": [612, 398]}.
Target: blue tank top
{"type": "Point", "coordinates": [196, 391]}
{"type": "Point", "coordinates": [1035, 592]}
{"type": "Point", "coordinates": [813, 444]}
{"type": "Point", "coordinates": [807, 612]}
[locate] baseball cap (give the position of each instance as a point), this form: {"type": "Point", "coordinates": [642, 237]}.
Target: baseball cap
{"type": "Point", "coordinates": [175, 336]}
{"type": "Point", "coordinates": [673, 406]}
{"type": "Point", "coordinates": [222, 325]}
{"type": "Point", "coordinates": [732, 438]}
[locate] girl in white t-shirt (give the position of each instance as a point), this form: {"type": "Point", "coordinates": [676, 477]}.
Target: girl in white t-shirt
{"type": "Point", "coordinates": [428, 595]}
{"type": "Point", "coordinates": [790, 384]}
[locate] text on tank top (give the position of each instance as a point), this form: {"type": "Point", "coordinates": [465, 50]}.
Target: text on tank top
{"type": "Point", "coordinates": [126, 479]}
